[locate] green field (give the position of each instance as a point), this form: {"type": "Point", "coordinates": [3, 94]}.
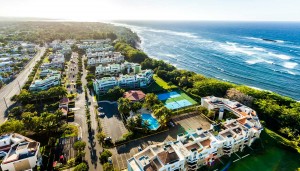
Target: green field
{"type": "Point", "coordinates": [267, 155]}
{"type": "Point", "coordinates": [159, 85]}
{"type": "Point", "coordinates": [272, 157]}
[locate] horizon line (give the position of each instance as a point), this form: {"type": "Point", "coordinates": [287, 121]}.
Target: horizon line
{"type": "Point", "coordinates": [11, 18]}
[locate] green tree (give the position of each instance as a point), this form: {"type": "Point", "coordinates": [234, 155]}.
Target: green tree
{"type": "Point", "coordinates": [12, 126]}
{"type": "Point", "coordinates": [151, 99]}
{"type": "Point", "coordinates": [104, 156]}
{"type": "Point", "coordinates": [115, 93]}
{"type": "Point", "coordinates": [136, 106]}
{"type": "Point", "coordinates": [79, 145]}
{"type": "Point", "coordinates": [101, 136]}
{"type": "Point", "coordinates": [163, 114]}
{"type": "Point", "coordinates": [81, 167]}
{"type": "Point", "coordinates": [108, 167]}
{"type": "Point", "coordinates": [124, 106]}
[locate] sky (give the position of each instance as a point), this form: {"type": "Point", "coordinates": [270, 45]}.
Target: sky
{"type": "Point", "coordinates": [97, 10]}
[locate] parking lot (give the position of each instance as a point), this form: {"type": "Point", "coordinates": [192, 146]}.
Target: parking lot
{"type": "Point", "coordinates": [183, 124]}
{"type": "Point", "coordinates": [111, 121]}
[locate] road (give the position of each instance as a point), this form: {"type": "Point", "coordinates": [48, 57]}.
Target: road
{"type": "Point", "coordinates": [72, 73]}
{"type": "Point", "coordinates": [13, 87]}
{"type": "Point", "coordinates": [93, 148]}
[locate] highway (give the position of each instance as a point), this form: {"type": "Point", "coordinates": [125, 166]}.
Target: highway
{"type": "Point", "coordinates": [13, 87]}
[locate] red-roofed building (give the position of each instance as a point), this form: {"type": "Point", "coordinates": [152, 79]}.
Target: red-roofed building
{"type": "Point", "coordinates": [134, 95]}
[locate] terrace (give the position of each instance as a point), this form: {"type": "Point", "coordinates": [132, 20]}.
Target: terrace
{"type": "Point", "coordinates": [21, 151]}
{"type": "Point", "coordinates": [192, 147]}
{"type": "Point", "coordinates": [168, 156]}
{"type": "Point", "coordinates": [205, 143]}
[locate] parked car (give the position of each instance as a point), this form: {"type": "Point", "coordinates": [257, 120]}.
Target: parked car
{"type": "Point", "coordinates": [101, 114]}
{"type": "Point", "coordinates": [100, 108]}
{"type": "Point", "coordinates": [107, 139]}
{"type": "Point", "coordinates": [171, 123]}
{"type": "Point", "coordinates": [109, 160]}
{"type": "Point", "coordinates": [140, 148]}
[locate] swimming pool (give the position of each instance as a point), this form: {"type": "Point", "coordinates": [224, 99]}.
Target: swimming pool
{"type": "Point", "coordinates": [154, 125]}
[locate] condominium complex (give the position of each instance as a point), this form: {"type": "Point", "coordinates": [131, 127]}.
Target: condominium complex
{"type": "Point", "coordinates": [104, 58]}
{"type": "Point", "coordinates": [45, 84]}
{"type": "Point", "coordinates": [202, 147]}
{"type": "Point", "coordinates": [57, 61]}
{"type": "Point", "coordinates": [21, 153]}
{"type": "Point", "coordinates": [141, 79]}
{"type": "Point", "coordinates": [96, 45]}
{"type": "Point", "coordinates": [48, 72]}
{"type": "Point", "coordinates": [115, 69]}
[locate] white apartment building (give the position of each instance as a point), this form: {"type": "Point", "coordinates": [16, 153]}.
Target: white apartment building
{"type": "Point", "coordinates": [115, 69]}
{"type": "Point", "coordinates": [21, 153]}
{"type": "Point", "coordinates": [57, 61]}
{"type": "Point", "coordinates": [104, 58]}
{"type": "Point", "coordinates": [110, 69]}
{"type": "Point", "coordinates": [48, 72]}
{"type": "Point", "coordinates": [45, 84]}
{"type": "Point", "coordinates": [203, 147]}
{"type": "Point", "coordinates": [141, 79]}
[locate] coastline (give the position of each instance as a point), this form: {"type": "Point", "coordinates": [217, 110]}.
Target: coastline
{"type": "Point", "coordinates": [237, 80]}
{"type": "Point", "coordinates": [138, 45]}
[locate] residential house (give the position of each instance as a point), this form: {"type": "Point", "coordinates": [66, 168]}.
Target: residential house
{"type": "Point", "coordinates": [21, 153]}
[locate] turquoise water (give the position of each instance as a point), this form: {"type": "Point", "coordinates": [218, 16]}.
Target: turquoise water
{"type": "Point", "coordinates": [154, 125]}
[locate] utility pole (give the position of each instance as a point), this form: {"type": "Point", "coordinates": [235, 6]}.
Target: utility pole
{"type": "Point", "coordinates": [5, 103]}
{"type": "Point", "coordinates": [19, 85]}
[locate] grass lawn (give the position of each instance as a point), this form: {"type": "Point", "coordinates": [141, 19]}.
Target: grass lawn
{"type": "Point", "coordinates": [162, 83]}
{"type": "Point", "coordinates": [158, 85]}
{"type": "Point", "coordinates": [46, 60]}
{"type": "Point", "coordinates": [274, 156]}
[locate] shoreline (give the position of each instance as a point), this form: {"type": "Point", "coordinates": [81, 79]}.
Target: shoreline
{"type": "Point", "coordinates": [138, 45]}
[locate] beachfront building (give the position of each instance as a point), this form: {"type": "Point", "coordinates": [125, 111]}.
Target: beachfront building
{"type": "Point", "coordinates": [98, 58]}
{"type": "Point", "coordinates": [138, 80]}
{"type": "Point", "coordinates": [115, 69]}
{"type": "Point", "coordinates": [21, 153]}
{"type": "Point", "coordinates": [110, 69]}
{"type": "Point", "coordinates": [203, 147]}
{"type": "Point", "coordinates": [45, 84]}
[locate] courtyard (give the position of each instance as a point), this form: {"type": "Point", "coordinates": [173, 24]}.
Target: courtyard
{"type": "Point", "coordinates": [183, 124]}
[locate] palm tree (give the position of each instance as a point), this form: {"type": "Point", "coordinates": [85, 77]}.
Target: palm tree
{"type": "Point", "coordinates": [124, 105]}
{"type": "Point", "coordinates": [150, 100]}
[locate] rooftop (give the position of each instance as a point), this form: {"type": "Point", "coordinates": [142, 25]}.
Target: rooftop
{"type": "Point", "coordinates": [134, 95]}
{"type": "Point", "coordinates": [22, 148]}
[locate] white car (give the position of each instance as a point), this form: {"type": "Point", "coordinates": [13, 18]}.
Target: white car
{"type": "Point", "coordinates": [100, 108]}
{"type": "Point", "coordinates": [101, 114]}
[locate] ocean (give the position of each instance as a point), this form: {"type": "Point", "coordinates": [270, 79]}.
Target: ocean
{"type": "Point", "coordinates": [263, 55]}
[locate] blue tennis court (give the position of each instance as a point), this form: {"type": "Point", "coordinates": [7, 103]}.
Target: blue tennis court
{"type": "Point", "coordinates": [168, 95]}
{"type": "Point", "coordinates": [178, 104]}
